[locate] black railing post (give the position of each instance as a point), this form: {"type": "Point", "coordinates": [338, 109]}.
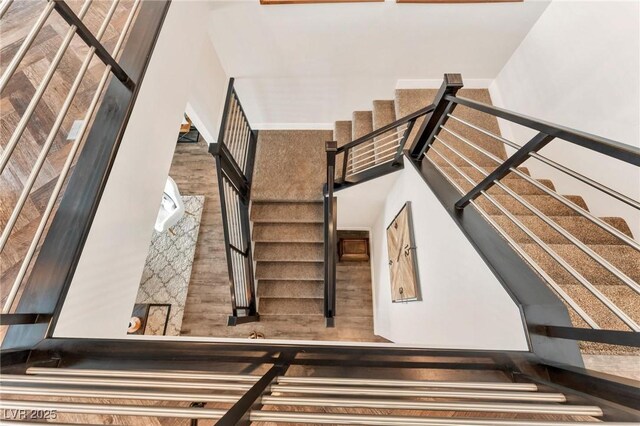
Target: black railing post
{"type": "Point", "coordinates": [345, 164]}
{"type": "Point", "coordinates": [536, 143]}
{"type": "Point", "coordinates": [429, 128]}
{"type": "Point", "coordinates": [330, 237]}
{"type": "Point", "coordinates": [240, 412]}
{"type": "Point", "coordinates": [397, 159]}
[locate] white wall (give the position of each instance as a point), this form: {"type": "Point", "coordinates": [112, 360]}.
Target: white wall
{"type": "Point", "coordinates": [104, 288]}
{"type": "Point", "coordinates": [463, 305]}
{"type": "Point", "coordinates": [580, 67]}
{"type": "Point", "coordinates": [208, 90]}
{"type": "Point", "coordinates": [303, 66]}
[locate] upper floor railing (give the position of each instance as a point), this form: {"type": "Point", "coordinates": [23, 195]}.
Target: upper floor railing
{"type": "Point", "coordinates": [235, 155]}
{"type": "Point", "coordinates": [55, 237]}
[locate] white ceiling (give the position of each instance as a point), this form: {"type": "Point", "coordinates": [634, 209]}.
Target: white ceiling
{"type": "Point", "coordinates": [298, 64]}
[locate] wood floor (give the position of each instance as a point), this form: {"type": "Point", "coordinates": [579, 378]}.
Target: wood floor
{"type": "Point", "coordinates": [15, 98]}
{"type": "Point", "coordinates": [208, 300]}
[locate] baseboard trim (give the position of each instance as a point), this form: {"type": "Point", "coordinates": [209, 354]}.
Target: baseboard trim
{"type": "Point", "coordinates": [292, 126]}
{"type": "Point", "coordinates": [435, 83]}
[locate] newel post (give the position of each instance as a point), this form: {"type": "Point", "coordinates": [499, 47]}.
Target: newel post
{"type": "Point", "coordinates": [432, 122]}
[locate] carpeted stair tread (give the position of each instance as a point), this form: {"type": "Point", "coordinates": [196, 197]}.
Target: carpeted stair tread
{"type": "Point", "coordinates": [293, 252]}
{"type": "Point", "coordinates": [546, 204]}
{"type": "Point", "coordinates": [623, 257]}
{"type": "Point", "coordinates": [599, 312]}
{"type": "Point", "coordinates": [362, 124]}
{"type": "Point", "coordinates": [291, 289]}
{"type": "Point", "coordinates": [383, 113]}
{"type": "Point", "coordinates": [288, 232]}
{"type": "Point", "coordinates": [286, 306]}
{"type": "Point", "coordinates": [470, 171]}
{"type": "Point", "coordinates": [411, 100]}
{"type": "Point", "coordinates": [580, 227]}
{"type": "Point", "coordinates": [287, 212]}
{"type": "Point", "coordinates": [342, 132]}
{"type": "Point", "coordinates": [299, 271]}
{"type": "Point", "coordinates": [472, 154]}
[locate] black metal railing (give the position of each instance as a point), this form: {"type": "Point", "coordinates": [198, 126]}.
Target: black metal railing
{"type": "Point", "coordinates": [235, 155]}
{"type": "Point", "coordinates": [330, 237]}
{"type": "Point", "coordinates": [376, 153]}
{"type": "Point", "coordinates": [35, 299]}
{"type": "Point", "coordinates": [446, 147]}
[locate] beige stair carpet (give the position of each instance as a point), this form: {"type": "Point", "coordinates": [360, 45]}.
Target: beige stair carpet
{"type": "Point", "coordinates": [602, 242]}
{"type": "Point", "coordinates": [287, 220]}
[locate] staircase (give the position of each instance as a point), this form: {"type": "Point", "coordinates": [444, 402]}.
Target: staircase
{"type": "Point", "coordinates": [297, 395]}
{"type": "Point", "coordinates": [463, 164]}
{"type": "Point", "coordinates": [289, 253]}
{"type": "Point", "coordinates": [287, 225]}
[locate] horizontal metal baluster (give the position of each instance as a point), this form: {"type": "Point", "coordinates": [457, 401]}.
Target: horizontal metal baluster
{"type": "Point", "coordinates": [33, 103]}
{"type": "Point", "coordinates": [122, 382]}
{"type": "Point", "coordinates": [596, 220]}
{"type": "Point", "coordinates": [4, 7]}
{"type": "Point", "coordinates": [373, 148]}
{"type": "Point", "coordinates": [555, 165]}
{"type": "Point", "coordinates": [121, 410]}
{"type": "Point", "coordinates": [395, 404]}
{"type": "Point", "coordinates": [46, 147]}
{"type": "Point", "coordinates": [68, 162]}
{"type": "Point", "coordinates": [460, 394]}
{"type": "Point", "coordinates": [577, 275]}
{"type": "Point", "coordinates": [26, 44]}
{"type": "Point", "coordinates": [555, 286]}
{"type": "Point", "coordinates": [368, 157]}
{"type": "Point", "coordinates": [89, 392]}
{"type": "Point", "coordinates": [595, 256]}
{"type": "Point", "coordinates": [280, 417]}
{"type": "Point", "coordinates": [156, 374]}
{"type": "Point", "coordinates": [374, 163]}
{"type": "Point", "coordinates": [531, 387]}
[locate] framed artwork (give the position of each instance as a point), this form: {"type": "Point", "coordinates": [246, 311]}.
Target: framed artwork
{"type": "Point", "coordinates": [401, 249]}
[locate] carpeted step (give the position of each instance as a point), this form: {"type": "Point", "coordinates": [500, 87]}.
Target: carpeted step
{"type": "Point", "coordinates": [362, 124]}
{"type": "Point", "coordinates": [512, 181]}
{"type": "Point", "coordinates": [599, 312]}
{"type": "Point", "coordinates": [471, 154]}
{"type": "Point", "coordinates": [546, 204]}
{"type": "Point", "coordinates": [471, 171]}
{"type": "Point", "coordinates": [342, 132]}
{"type": "Point", "coordinates": [580, 227]}
{"type": "Point", "coordinates": [285, 306]}
{"type": "Point", "coordinates": [625, 258]}
{"type": "Point", "coordinates": [310, 212]}
{"type": "Point", "coordinates": [294, 252]}
{"type": "Point", "coordinates": [303, 271]}
{"type": "Point", "coordinates": [384, 113]}
{"type": "Point", "coordinates": [291, 289]}
{"type": "Point", "coordinates": [411, 100]}
{"type": "Point", "coordinates": [288, 232]}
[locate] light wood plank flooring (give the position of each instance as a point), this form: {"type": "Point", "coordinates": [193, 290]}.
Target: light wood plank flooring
{"type": "Point", "coordinates": [208, 300]}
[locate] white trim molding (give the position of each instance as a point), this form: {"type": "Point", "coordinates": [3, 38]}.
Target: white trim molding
{"type": "Point", "coordinates": [292, 126]}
